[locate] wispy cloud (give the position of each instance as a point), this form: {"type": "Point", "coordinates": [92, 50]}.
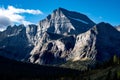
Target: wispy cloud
{"type": "Point", "coordinates": [14, 15]}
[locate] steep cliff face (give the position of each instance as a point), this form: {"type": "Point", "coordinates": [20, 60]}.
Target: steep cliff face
{"type": "Point", "coordinates": [85, 48]}
{"type": "Point", "coordinates": [14, 42]}
{"type": "Point", "coordinates": [62, 21]}
{"type": "Point", "coordinates": [98, 44]}
{"type": "Point", "coordinates": [52, 48]}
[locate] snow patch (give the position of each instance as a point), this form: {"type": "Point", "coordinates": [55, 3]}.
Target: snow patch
{"type": "Point", "coordinates": [79, 20]}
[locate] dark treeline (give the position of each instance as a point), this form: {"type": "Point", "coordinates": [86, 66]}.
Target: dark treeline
{"type": "Point", "coordinates": [14, 70]}
{"type": "Point", "coordinates": [10, 69]}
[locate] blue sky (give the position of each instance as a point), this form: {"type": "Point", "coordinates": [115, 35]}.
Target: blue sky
{"type": "Point", "coordinates": [97, 10]}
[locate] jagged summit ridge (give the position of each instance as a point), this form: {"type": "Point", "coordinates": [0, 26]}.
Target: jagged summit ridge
{"type": "Point", "coordinates": [62, 21]}
{"type": "Point", "coordinates": [60, 10]}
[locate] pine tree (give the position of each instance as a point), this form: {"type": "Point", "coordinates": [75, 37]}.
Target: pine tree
{"type": "Point", "coordinates": [115, 59]}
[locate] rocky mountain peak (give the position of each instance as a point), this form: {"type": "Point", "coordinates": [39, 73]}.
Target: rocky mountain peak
{"type": "Point", "coordinates": [60, 10]}
{"type": "Point", "coordinates": [106, 29]}
{"type": "Point", "coordinates": [62, 21]}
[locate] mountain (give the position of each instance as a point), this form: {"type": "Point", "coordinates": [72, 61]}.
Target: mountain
{"type": "Point", "coordinates": [61, 37]}
{"type": "Point", "coordinates": [97, 44]}
{"type": "Point", "coordinates": [62, 21]}
{"type": "Point", "coordinates": [14, 43]}
{"type": "Point", "coordinates": [30, 42]}
{"type": "Point", "coordinates": [63, 25]}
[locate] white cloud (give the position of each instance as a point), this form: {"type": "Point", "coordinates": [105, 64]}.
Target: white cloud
{"type": "Point", "coordinates": [13, 15]}
{"type": "Point", "coordinates": [18, 10]}
{"type": "Point", "coordinates": [4, 21]}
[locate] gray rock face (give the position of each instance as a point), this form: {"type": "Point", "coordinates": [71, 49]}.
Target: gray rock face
{"type": "Point", "coordinates": [52, 50]}
{"type": "Point", "coordinates": [64, 35]}
{"type": "Point", "coordinates": [62, 21]}
{"type": "Point", "coordinates": [98, 44]}
{"type": "Point", "coordinates": [14, 42]}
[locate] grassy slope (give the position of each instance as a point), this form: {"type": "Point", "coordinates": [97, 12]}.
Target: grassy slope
{"type": "Point", "coordinates": [108, 71]}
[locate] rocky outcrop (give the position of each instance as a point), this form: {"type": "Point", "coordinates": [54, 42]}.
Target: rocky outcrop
{"type": "Point", "coordinates": [52, 49]}
{"type": "Point", "coordinates": [14, 43]}
{"type": "Point", "coordinates": [99, 44]}
{"type": "Point", "coordinates": [65, 22]}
